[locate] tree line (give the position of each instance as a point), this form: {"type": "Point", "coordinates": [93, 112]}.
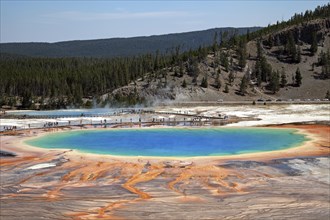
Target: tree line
{"type": "Point", "coordinates": [68, 80]}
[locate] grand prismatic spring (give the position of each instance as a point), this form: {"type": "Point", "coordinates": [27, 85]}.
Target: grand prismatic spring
{"type": "Point", "coordinates": [173, 142]}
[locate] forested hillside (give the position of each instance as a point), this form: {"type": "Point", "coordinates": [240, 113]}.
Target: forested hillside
{"type": "Point", "coordinates": [287, 60]}
{"type": "Point", "coordinates": [121, 47]}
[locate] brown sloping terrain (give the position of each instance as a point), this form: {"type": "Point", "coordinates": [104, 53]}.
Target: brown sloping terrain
{"type": "Point", "coordinates": [313, 87]}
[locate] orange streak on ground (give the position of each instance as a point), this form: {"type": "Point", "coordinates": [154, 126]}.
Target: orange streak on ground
{"type": "Point", "coordinates": [111, 206]}
{"type": "Point", "coordinates": [99, 213]}
{"type": "Point", "coordinates": [203, 173]}
{"type": "Point", "coordinates": [54, 194]}
{"type": "Point", "coordinates": [37, 174]}
{"type": "Point", "coordinates": [129, 185]}
{"type": "Point", "coordinates": [16, 161]}
{"type": "Point", "coordinates": [77, 215]}
{"type": "Point", "coordinates": [86, 173]}
{"type": "Point", "coordinates": [183, 176]}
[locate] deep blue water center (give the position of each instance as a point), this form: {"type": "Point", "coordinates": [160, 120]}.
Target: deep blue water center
{"type": "Point", "coordinates": [173, 142]}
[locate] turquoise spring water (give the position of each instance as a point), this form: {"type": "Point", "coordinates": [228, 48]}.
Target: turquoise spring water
{"type": "Point", "coordinates": [173, 142]}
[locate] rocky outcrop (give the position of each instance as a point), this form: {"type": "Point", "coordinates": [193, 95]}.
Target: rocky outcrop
{"type": "Point", "coordinates": [303, 32]}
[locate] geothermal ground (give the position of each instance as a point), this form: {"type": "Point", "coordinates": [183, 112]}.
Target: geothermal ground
{"type": "Point", "coordinates": [63, 184]}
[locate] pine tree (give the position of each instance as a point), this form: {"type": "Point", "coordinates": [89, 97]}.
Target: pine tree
{"type": "Point", "coordinates": [259, 81]}
{"type": "Point", "coordinates": [243, 86]}
{"type": "Point", "coordinates": [322, 58]}
{"type": "Point", "coordinates": [326, 71]}
{"type": "Point", "coordinates": [298, 56]}
{"type": "Point", "coordinates": [242, 54]}
{"type": "Point", "coordinates": [193, 69]}
{"type": "Point", "coordinates": [194, 80]}
{"type": "Point", "coordinates": [248, 35]}
{"type": "Point", "coordinates": [313, 48]}
{"type": "Point", "coordinates": [176, 74]}
{"type": "Point", "coordinates": [290, 47]}
{"type": "Point", "coordinates": [204, 83]}
{"type": "Point", "coordinates": [256, 73]}
{"type": "Point", "coordinates": [231, 77]}
{"type": "Point", "coordinates": [270, 41]}
{"type": "Point", "coordinates": [259, 50]}
{"type": "Point", "coordinates": [274, 83]}
{"type": "Point", "coordinates": [181, 71]}
{"type": "Point", "coordinates": [226, 89]}
{"type": "Point", "coordinates": [217, 82]}
{"type": "Point", "coordinates": [221, 39]}
{"type": "Point", "coordinates": [283, 79]}
{"type": "Point", "coordinates": [27, 99]}
{"type": "Point", "coordinates": [184, 84]}
{"type": "Point", "coordinates": [265, 69]}
{"type": "Point", "coordinates": [224, 61]}
{"type": "Point", "coordinates": [327, 96]}
{"type": "Point", "coordinates": [324, 61]}
{"type": "Point", "coordinates": [298, 77]}
{"type": "Point", "coordinates": [215, 43]}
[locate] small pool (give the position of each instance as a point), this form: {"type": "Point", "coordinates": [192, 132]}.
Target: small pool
{"type": "Point", "coordinates": [173, 142]}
